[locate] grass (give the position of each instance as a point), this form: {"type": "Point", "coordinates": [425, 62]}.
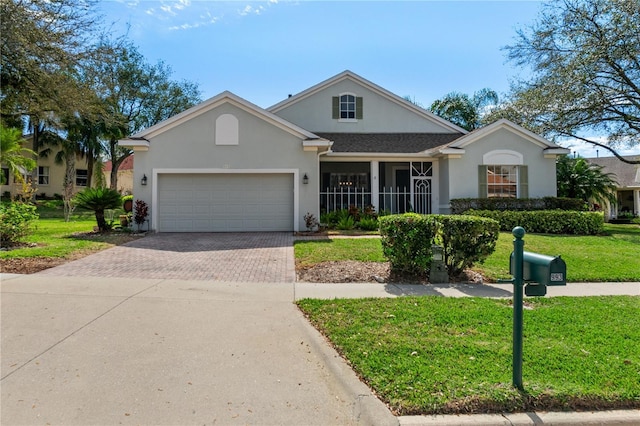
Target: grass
{"type": "Point", "coordinates": [613, 256]}
{"type": "Point", "coordinates": [55, 238]}
{"type": "Point", "coordinates": [427, 355]}
{"type": "Point", "coordinates": [309, 253]}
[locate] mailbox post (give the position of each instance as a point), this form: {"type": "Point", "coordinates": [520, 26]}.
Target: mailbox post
{"type": "Point", "coordinates": [537, 271]}
{"type": "Point", "coordinates": [518, 286]}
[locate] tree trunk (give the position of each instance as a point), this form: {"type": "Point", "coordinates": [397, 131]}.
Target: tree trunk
{"type": "Point", "coordinates": [102, 223]}
{"type": "Point", "coordinates": [69, 178]}
{"type": "Point", "coordinates": [90, 162]}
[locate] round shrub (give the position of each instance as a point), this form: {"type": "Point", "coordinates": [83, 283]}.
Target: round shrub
{"type": "Point", "coordinates": [466, 240]}
{"type": "Point", "coordinates": [406, 241]}
{"type": "Point", "coordinates": [16, 219]}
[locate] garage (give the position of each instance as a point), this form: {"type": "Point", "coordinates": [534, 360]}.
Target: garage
{"type": "Point", "coordinates": [225, 202]}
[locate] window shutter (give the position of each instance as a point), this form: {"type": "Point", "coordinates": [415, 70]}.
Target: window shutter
{"type": "Point", "coordinates": [335, 107]}
{"type": "Point", "coordinates": [523, 181]}
{"type": "Point", "coordinates": [482, 182]}
{"type": "Point", "coordinates": [359, 108]}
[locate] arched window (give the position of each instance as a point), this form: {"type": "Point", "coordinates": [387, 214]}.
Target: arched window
{"type": "Point", "coordinates": [227, 130]}
{"type": "Point", "coordinates": [347, 107]}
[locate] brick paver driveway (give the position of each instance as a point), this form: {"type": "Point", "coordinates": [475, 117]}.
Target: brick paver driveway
{"type": "Point", "coordinates": [248, 257]}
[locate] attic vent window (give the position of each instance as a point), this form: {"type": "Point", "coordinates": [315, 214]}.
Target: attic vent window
{"type": "Point", "coordinates": [347, 107]}
{"type": "Point", "coordinates": [227, 130]}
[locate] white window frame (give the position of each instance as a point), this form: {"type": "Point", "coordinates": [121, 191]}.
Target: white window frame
{"type": "Point", "coordinates": [516, 183]}
{"type": "Point", "coordinates": [347, 111]}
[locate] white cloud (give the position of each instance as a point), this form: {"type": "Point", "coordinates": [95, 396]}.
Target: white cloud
{"type": "Point", "coordinates": [250, 10]}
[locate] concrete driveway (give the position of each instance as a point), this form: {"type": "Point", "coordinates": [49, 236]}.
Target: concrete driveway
{"type": "Point", "coordinates": [234, 257]}
{"type": "Point", "coordinates": [102, 351]}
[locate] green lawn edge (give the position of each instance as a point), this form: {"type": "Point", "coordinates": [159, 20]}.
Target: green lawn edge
{"type": "Point", "coordinates": [435, 355]}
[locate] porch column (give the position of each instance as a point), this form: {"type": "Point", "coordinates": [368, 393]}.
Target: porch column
{"type": "Point", "coordinates": [375, 185]}
{"type": "Point", "coordinates": [636, 202]}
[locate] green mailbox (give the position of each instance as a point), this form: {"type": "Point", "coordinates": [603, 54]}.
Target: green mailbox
{"type": "Point", "coordinates": [542, 269]}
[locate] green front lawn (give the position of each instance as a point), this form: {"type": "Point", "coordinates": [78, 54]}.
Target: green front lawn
{"type": "Point", "coordinates": [309, 253]}
{"type": "Point", "coordinates": [56, 238]}
{"type": "Point", "coordinates": [426, 355]}
{"type": "Point", "coordinates": [613, 256]}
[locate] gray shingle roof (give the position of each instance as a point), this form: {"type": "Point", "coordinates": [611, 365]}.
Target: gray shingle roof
{"type": "Point", "coordinates": [627, 175]}
{"type": "Point", "coordinates": [393, 143]}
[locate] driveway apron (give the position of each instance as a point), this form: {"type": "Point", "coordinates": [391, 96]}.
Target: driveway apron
{"type": "Point", "coordinates": [234, 257]}
{"type": "Point", "coordinates": [162, 331]}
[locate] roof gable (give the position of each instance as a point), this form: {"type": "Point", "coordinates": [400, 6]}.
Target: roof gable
{"type": "Point", "coordinates": [348, 75]}
{"type": "Point", "coordinates": [512, 127]}
{"type": "Point", "coordinates": [212, 103]}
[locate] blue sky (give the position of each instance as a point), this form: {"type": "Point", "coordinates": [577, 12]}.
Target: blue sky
{"type": "Point", "coordinates": [265, 50]}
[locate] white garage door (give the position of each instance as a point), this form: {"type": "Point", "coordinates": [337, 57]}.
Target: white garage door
{"type": "Point", "coordinates": [225, 202]}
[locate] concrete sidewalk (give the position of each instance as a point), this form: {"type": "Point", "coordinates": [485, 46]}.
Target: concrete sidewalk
{"type": "Point", "coordinates": [91, 350]}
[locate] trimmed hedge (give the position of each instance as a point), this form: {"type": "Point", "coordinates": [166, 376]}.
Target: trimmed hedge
{"type": "Point", "coordinates": [546, 221]}
{"type": "Point", "coordinates": [461, 205]}
{"type": "Point", "coordinates": [407, 239]}
{"type": "Point", "coordinates": [466, 240]}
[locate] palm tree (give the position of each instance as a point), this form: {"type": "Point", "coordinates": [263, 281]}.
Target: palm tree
{"type": "Point", "coordinates": [464, 111]}
{"type": "Point", "coordinates": [98, 200]}
{"type": "Point", "coordinates": [17, 158]}
{"type": "Point", "coordinates": [578, 178]}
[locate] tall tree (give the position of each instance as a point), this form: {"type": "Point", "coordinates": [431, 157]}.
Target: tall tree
{"type": "Point", "coordinates": [585, 59]}
{"type": "Point", "coordinates": [578, 178]}
{"type": "Point", "coordinates": [463, 110]}
{"type": "Point", "coordinates": [135, 95]}
{"type": "Point", "coordinates": [43, 42]}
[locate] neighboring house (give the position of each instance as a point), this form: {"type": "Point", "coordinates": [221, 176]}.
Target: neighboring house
{"type": "Point", "coordinates": [125, 175]}
{"type": "Point", "coordinates": [628, 190]}
{"type": "Point", "coordinates": [47, 177]}
{"type": "Point", "coordinates": [228, 165]}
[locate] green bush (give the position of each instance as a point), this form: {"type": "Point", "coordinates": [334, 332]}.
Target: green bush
{"type": "Point", "coordinates": [466, 240]}
{"type": "Point", "coordinates": [406, 241]}
{"type": "Point", "coordinates": [15, 221]}
{"type": "Point", "coordinates": [462, 205]}
{"type": "Point", "coordinates": [547, 221]}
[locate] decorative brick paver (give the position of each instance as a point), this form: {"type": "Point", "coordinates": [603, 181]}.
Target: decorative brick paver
{"type": "Point", "coordinates": [237, 257]}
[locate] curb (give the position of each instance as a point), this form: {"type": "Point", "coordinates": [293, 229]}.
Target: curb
{"type": "Point", "coordinates": [367, 408]}
{"type": "Point", "coordinates": [592, 418]}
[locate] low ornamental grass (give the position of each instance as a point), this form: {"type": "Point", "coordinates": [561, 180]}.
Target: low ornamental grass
{"type": "Point", "coordinates": [428, 355]}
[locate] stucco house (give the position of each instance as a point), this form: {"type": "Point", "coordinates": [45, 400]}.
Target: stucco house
{"type": "Point", "coordinates": [47, 178]}
{"type": "Point", "coordinates": [628, 191]}
{"type": "Point", "coordinates": [228, 165]}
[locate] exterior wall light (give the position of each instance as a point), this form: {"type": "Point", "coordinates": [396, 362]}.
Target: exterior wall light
{"type": "Point", "coordinates": [143, 181]}
{"type": "Point", "coordinates": [305, 179]}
